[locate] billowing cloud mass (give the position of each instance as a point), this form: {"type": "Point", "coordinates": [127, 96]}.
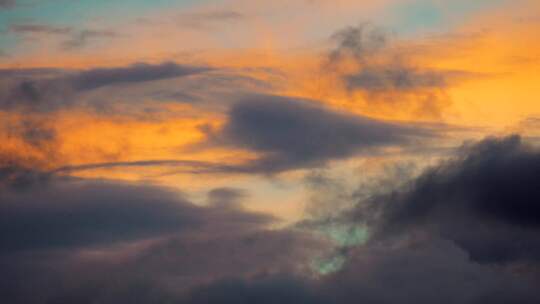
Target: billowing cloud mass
{"type": "Point", "coordinates": [269, 152]}
{"type": "Point", "coordinates": [440, 238]}
{"type": "Point", "coordinates": [486, 201]}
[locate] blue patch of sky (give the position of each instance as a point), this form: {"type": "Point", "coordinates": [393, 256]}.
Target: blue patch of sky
{"type": "Point", "coordinates": [428, 16]}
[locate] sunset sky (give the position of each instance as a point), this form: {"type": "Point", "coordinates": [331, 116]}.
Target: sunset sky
{"type": "Point", "coordinates": [285, 151]}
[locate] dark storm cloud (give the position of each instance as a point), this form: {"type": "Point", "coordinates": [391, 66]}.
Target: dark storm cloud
{"type": "Point", "coordinates": [79, 214]}
{"type": "Point", "coordinates": [293, 133]}
{"type": "Point", "coordinates": [432, 271]}
{"type": "Point", "coordinates": [486, 201]}
{"type": "Point", "coordinates": [48, 89]}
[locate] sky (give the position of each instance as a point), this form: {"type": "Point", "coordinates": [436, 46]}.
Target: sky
{"type": "Point", "coordinates": [286, 151]}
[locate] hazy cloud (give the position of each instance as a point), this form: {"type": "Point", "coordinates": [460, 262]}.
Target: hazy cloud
{"type": "Point", "coordinates": [83, 37]}
{"type": "Point", "coordinates": [385, 75]}
{"type": "Point", "coordinates": [30, 28]}
{"type": "Point", "coordinates": [205, 19]}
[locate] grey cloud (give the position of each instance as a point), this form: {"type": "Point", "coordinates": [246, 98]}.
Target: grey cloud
{"type": "Point", "coordinates": [363, 43]}
{"type": "Point", "coordinates": [358, 41]}
{"type": "Point", "coordinates": [485, 200]}
{"type": "Point", "coordinates": [436, 272]}
{"type": "Point", "coordinates": [141, 72]}
{"type": "Point", "coordinates": [430, 271]}
{"type": "Point", "coordinates": [384, 74]}
{"type": "Point", "coordinates": [42, 211]}
{"type": "Point", "coordinates": [181, 166]}
{"type": "Point", "coordinates": [226, 197]}
{"type": "Point", "coordinates": [86, 214]}
{"type": "Point", "coordinates": [293, 133]}
{"type": "Point", "coordinates": [44, 90]}
{"type": "Point", "coordinates": [110, 242]}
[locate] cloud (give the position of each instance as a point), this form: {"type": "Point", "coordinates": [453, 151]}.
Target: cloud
{"type": "Point", "coordinates": [226, 197]}
{"type": "Point", "coordinates": [75, 38]}
{"type": "Point", "coordinates": [30, 28]}
{"type": "Point", "coordinates": [110, 242]}
{"type": "Point", "coordinates": [485, 200]}
{"type": "Point", "coordinates": [366, 61]}
{"type": "Point", "coordinates": [400, 78]}
{"type": "Point", "coordinates": [268, 290]}
{"type": "Point", "coordinates": [428, 273]}
{"type": "Point", "coordinates": [42, 211]}
{"type": "Point", "coordinates": [292, 133]}
{"type": "Point", "coordinates": [83, 37]}
{"type": "Point", "coordinates": [141, 72]}
{"type": "Point", "coordinates": [44, 90]}
{"type": "Point", "coordinates": [72, 214]}
{"type": "Point", "coordinates": [358, 42]}
{"type": "Point", "coordinates": [423, 272]}
{"type": "Point", "coordinates": [208, 19]}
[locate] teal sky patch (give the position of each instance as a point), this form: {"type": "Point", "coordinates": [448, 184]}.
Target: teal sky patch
{"type": "Point", "coordinates": [344, 236]}
{"type": "Point", "coordinates": [421, 16]}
